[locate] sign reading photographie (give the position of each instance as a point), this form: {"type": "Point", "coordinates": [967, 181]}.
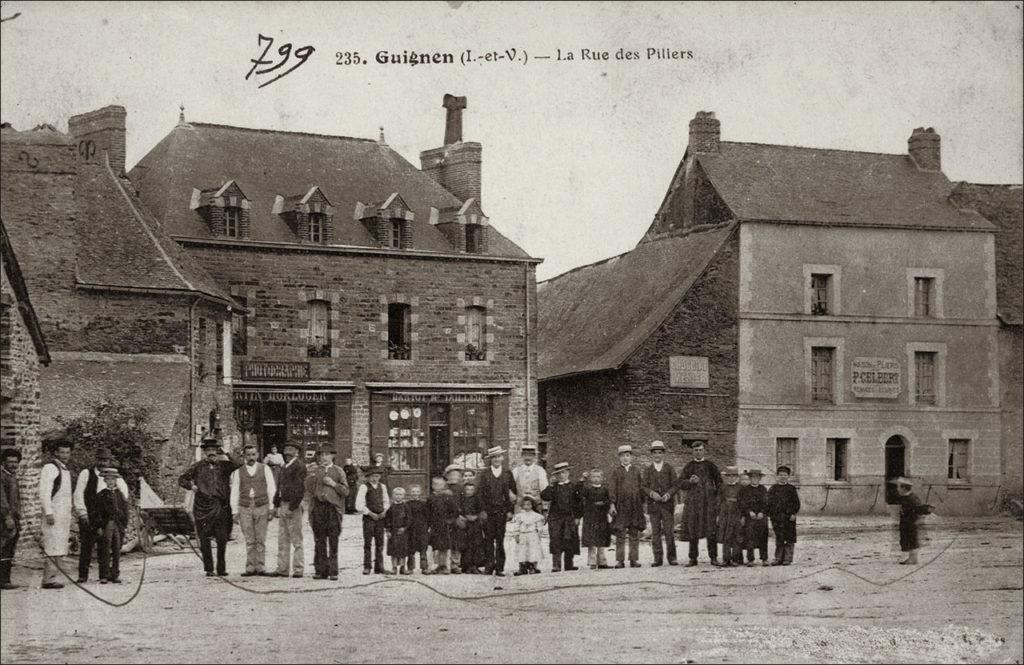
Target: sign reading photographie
{"type": "Point", "coordinates": [260, 369]}
{"type": "Point", "coordinates": [688, 371]}
{"type": "Point", "coordinates": [877, 378]}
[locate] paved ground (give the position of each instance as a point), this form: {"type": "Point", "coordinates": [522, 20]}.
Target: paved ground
{"type": "Point", "coordinates": [965, 606]}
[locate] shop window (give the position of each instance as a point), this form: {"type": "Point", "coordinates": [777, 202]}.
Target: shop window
{"type": "Point", "coordinates": [232, 221]}
{"type": "Point", "coordinates": [239, 328]}
{"type": "Point", "coordinates": [399, 331]}
{"type": "Point", "coordinates": [924, 296]}
{"type": "Point", "coordinates": [785, 453]}
{"type": "Point", "coordinates": [470, 434]}
{"type": "Point", "coordinates": [319, 345]}
{"type": "Point", "coordinates": [407, 441]}
{"type": "Point", "coordinates": [837, 453]}
{"type": "Point", "coordinates": [476, 333]}
{"type": "Point", "coordinates": [310, 425]}
{"type": "Point", "coordinates": [822, 374]}
{"type": "Point", "coordinates": [959, 450]}
{"type": "Point", "coordinates": [924, 374]}
{"type": "Point", "coordinates": [316, 227]}
{"type": "Point", "coordinates": [821, 288]}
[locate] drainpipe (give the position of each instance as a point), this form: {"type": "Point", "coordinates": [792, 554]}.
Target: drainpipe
{"type": "Point", "coordinates": [191, 376]}
{"type": "Point", "coordinates": [526, 291]}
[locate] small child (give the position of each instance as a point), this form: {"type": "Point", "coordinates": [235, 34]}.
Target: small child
{"type": "Point", "coordinates": [597, 532]}
{"type": "Point", "coordinates": [453, 478]}
{"type": "Point", "coordinates": [441, 512]}
{"type": "Point", "coordinates": [730, 527]}
{"type": "Point", "coordinates": [472, 534]}
{"type": "Point", "coordinates": [754, 508]}
{"type": "Point", "coordinates": [419, 531]}
{"type": "Point", "coordinates": [783, 505]}
{"type": "Point", "coordinates": [526, 526]}
{"type": "Point", "coordinates": [398, 520]}
{"type": "Point", "coordinates": [563, 518]}
{"type": "Point", "coordinates": [113, 520]}
{"type": "Point", "coordinates": [911, 511]}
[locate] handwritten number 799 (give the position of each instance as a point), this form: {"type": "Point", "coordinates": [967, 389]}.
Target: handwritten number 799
{"type": "Point", "coordinates": [301, 54]}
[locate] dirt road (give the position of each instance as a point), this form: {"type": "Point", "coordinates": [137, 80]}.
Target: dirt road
{"type": "Point", "coordinates": [843, 601]}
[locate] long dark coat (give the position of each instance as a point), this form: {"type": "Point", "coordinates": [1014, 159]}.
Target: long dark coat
{"type": "Point", "coordinates": [911, 511]}
{"type": "Point", "coordinates": [594, 503]}
{"type": "Point", "coordinates": [783, 503]}
{"type": "Point", "coordinates": [754, 500]}
{"type": "Point", "coordinates": [730, 527]}
{"type": "Point", "coordinates": [626, 491]}
{"type": "Point", "coordinates": [441, 513]}
{"type": "Point", "coordinates": [700, 502]}
{"type": "Point", "coordinates": [563, 534]}
{"type": "Point", "coordinates": [397, 521]}
{"type": "Point", "coordinates": [472, 545]}
{"type": "Point", "coordinates": [419, 529]}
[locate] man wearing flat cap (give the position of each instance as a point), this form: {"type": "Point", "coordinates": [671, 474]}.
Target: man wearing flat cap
{"type": "Point", "coordinates": [326, 489]}
{"type": "Point", "coordinates": [210, 479]}
{"type": "Point", "coordinates": [10, 513]}
{"type": "Point", "coordinates": [56, 502]}
{"type": "Point", "coordinates": [86, 499]}
{"type": "Point", "coordinates": [659, 485]}
{"type": "Point", "coordinates": [627, 509]}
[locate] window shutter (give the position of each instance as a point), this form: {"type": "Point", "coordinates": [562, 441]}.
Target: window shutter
{"type": "Point", "coordinates": [379, 426]}
{"type": "Point", "coordinates": [830, 458]}
{"type": "Point", "coordinates": [499, 422]}
{"type": "Point", "coordinates": [343, 426]}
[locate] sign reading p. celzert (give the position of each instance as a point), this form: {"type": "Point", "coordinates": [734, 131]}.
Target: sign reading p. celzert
{"type": "Point", "coordinates": [877, 378]}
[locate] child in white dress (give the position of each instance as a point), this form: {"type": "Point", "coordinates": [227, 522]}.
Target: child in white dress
{"type": "Point", "coordinates": [526, 527]}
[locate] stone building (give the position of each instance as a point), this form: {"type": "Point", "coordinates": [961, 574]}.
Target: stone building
{"type": "Point", "coordinates": [23, 351]}
{"type": "Point", "coordinates": [842, 320]}
{"type": "Point", "coordinates": [1003, 205]}
{"type": "Point", "coordinates": [128, 316]}
{"type": "Point", "coordinates": [383, 310]}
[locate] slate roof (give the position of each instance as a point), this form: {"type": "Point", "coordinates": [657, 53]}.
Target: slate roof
{"type": "Point", "coordinates": [833, 187]}
{"type": "Point", "coordinates": [593, 318]}
{"type": "Point", "coordinates": [75, 381]}
{"type": "Point", "coordinates": [266, 164]}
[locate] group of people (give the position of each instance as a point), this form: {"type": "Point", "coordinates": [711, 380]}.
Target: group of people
{"type": "Point", "coordinates": [460, 527]}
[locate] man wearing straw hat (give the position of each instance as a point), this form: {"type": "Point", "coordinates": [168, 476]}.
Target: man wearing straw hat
{"type": "Point", "coordinates": [659, 483]}
{"type": "Point", "coordinates": [563, 518]}
{"type": "Point", "coordinates": [627, 509]}
{"type": "Point", "coordinates": [497, 496]}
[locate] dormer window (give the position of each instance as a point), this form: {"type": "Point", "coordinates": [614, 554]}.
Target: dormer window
{"type": "Point", "coordinates": [232, 221]}
{"type": "Point", "coordinates": [316, 227]}
{"type": "Point", "coordinates": [390, 223]}
{"type": "Point", "coordinates": [225, 210]}
{"type": "Point", "coordinates": [310, 216]}
{"type": "Point", "coordinates": [396, 233]}
{"type": "Point", "coordinates": [474, 238]}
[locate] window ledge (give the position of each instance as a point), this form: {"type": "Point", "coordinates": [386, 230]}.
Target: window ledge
{"type": "Point", "coordinates": [839, 484]}
{"type": "Point", "coordinates": [394, 361]}
{"type": "Point", "coordinates": [958, 486]}
{"type": "Point", "coordinates": [476, 362]}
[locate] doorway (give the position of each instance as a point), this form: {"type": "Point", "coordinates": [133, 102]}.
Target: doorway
{"type": "Point", "coordinates": [895, 464]}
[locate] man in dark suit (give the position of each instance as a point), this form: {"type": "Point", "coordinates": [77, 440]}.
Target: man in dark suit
{"type": "Point", "coordinates": [659, 485]}
{"type": "Point", "coordinates": [497, 490]}
{"type": "Point", "coordinates": [10, 513]}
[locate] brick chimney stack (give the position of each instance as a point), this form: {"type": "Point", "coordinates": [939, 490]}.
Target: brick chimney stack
{"type": "Point", "coordinates": [105, 128]}
{"type": "Point", "coordinates": [455, 165]}
{"type": "Point", "coordinates": [923, 146]}
{"type": "Point", "coordinates": [705, 132]}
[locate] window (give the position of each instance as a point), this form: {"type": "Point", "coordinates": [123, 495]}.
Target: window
{"type": "Point", "coordinates": [821, 374]}
{"type": "Point", "coordinates": [471, 434]}
{"type": "Point", "coordinates": [399, 331]}
{"type": "Point", "coordinates": [239, 328]}
{"type": "Point", "coordinates": [407, 437]}
{"type": "Point", "coordinates": [310, 426]}
{"type": "Point", "coordinates": [958, 456]}
{"type": "Point", "coordinates": [785, 453]}
{"type": "Point", "coordinates": [232, 221]}
{"type": "Point", "coordinates": [924, 374]}
{"type": "Point", "coordinates": [319, 345]}
{"type": "Point", "coordinates": [476, 333]}
{"type": "Point", "coordinates": [474, 238]}
{"type": "Point", "coordinates": [821, 286]}
{"type": "Point", "coordinates": [924, 288]}
{"type": "Point", "coordinates": [396, 234]}
{"type": "Point", "coordinates": [837, 452]}
{"type": "Point", "coordinates": [316, 227]}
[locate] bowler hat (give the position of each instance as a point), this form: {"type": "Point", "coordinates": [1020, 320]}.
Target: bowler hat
{"type": "Point", "coordinates": [55, 437]}
{"type": "Point", "coordinates": [210, 442]}
{"type": "Point", "coordinates": [494, 452]}
{"type": "Point", "coordinates": [10, 451]}
{"type": "Point", "coordinates": [625, 448]}
{"type": "Point", "coordinates": [104, 456]}
{"type": "Point", "coordinates": [290, 444]}
{"type": "Point", "coordinates": [657, 445]}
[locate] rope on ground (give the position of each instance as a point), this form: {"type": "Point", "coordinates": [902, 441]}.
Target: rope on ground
{"type": "Point", "coordinates": [138, 588]}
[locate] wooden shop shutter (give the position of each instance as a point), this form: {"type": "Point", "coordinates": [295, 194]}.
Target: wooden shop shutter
{"type": "Point", "coordinates": [343, 426]}
{"type": "Point", "coordinates": [379, 426]}
{"type": "Point", "coordinates": [499, 421]}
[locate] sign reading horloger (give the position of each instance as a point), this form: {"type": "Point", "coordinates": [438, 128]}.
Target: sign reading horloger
{"type": "Point", "coordinates": [877, 378]}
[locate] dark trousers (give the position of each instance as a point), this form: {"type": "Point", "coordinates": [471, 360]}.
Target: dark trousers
{"type": "Point", "coordinates": [761, 544]}
{"type": "Point", "coordinates": [7, 546]}
{"type": "Point", "coordinates": [109, 552]}
{"type": "Point", "coordinates": [206, 548]}
{"type": "Point", "coordinates": [88, 538]}
{"type": "Point", "coordinates": [712, 547]}
{"type": "Point", "coordinates": [661, 527]}
{"type": "Point", "coordinates": [632, 534]}
{"type": "Point", "coordinates": [373, 538]}
{"type": "Point", "coordinates": [494, 541]}
{"type": "Point", "coordinates": [326, 524]}
{"type": "Point", "coordinates": [732, 553]}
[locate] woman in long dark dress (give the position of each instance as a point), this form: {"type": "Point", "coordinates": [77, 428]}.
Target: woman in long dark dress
{"type": "Point", "coordinates": [597, 532]}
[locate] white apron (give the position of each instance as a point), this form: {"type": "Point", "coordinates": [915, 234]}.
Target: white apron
{"type": "Point", "coordinates": [55, 536]}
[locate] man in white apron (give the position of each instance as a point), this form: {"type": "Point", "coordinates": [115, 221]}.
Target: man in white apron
{"type": "Point", "coordinates": [55, 500]}
{"type": "Point", "coordinates": [531, 478]}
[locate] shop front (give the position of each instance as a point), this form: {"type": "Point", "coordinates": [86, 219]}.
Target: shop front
{"type": "Point", "coordinates": [420, 433]}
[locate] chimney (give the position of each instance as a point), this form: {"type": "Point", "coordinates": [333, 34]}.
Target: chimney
{"type": "Point", "coordinates": [105, 128]}
{"type": "Point", "coordinates": [455, 165]}
{"type": "Point", "coordinates": [705, 132]}
{"type": "Point", "coordinates": [923, 146]}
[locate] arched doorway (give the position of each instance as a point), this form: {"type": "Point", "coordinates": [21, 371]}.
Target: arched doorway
{"type": "Point", "coordinates": [895, 464]}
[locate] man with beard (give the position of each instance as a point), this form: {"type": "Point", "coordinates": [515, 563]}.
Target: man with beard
{"type": "Point", "coordinates": [700, 480]}
{"type": "Point", "coordinates": [210, 479]}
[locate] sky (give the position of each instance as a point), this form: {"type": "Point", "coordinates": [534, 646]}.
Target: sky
{"type": "Point", "coordinates": [577, 155]}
